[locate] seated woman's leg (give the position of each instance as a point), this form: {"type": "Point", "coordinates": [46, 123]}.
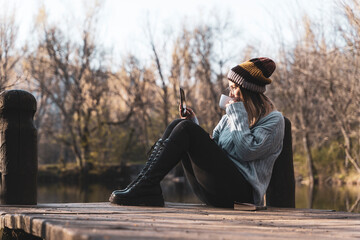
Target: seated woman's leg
{"type": "Point", "coordinates": [165, 135]}
{"type": "Point", "coordinates": [212, 175]}
{"type": "Point", "coordinates": [214, 172]}
{"type": "Point", "coordinates": [152, 152]}
{"type": "Point", "coordinates": [198, 190]}
{"type": "Point", "coordinates": [145, 189]}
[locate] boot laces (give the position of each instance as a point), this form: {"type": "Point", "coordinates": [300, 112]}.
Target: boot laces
{"type": "Point", "coordinates": [154, 150]}
{"type": "Point", "coordinates": [144, 176]}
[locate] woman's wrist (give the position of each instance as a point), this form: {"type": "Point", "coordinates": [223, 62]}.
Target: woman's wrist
{"type": "Point", "coordinates": [195, 120]}
{"type": "Point", "coordinates": [238, 99]}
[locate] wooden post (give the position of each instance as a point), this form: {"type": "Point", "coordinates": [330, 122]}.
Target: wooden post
{"type": "Point", "coordinates": [281, 189]}
{"type": "Point", "coordinates": [18, 148]}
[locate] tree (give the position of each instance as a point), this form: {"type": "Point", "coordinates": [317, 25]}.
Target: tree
{"type": "Point", "coordinates": [343, 92]}
{"type": "Point", "coordinates": [73, 81]}
{"type": "Point", "coordinates": [9, 57]}
{"type": "Point", "coordinates": [199, 60]}
{"type": "Point", "coordinates": [164, 95]}
{"type": "Point", "coordinates": [298, 91]}
{"type": "Point", "coordinates": [135, 86]}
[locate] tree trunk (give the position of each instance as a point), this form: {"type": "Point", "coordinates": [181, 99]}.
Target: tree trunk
{"type": "Point", "coordinates": [85, 142]}
{"type": "Point", "coordinates": [166, 107]}
{"type": "Point", "coordinates": [309, 159]}
{"type": "Point", "coordinates": [347, 148]}
{"type": "Point", "coordinates": [79, 162]}
{"type": "Point", "coordinates": [77, 151]}
{"type": "Point", "coordinates": [311, 196]}
{"type": "Point", "coordinates": [85, 151]}
{"type": "Point", "coordinates": [164, 87]}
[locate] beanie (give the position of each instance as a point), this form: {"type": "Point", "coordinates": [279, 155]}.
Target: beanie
{"type": "Point", "coordinates": [253, 74]}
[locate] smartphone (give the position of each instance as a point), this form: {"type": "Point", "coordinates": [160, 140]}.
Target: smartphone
{"type": "Point", "coordinates": [182, 103]}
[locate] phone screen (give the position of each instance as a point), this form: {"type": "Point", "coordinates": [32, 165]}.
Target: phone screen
{"type": "Point", "coordinates": [182, 102]}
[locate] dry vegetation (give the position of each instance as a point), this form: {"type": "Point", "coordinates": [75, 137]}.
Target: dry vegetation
{"type": "Point", "coordinates": [92, 112]}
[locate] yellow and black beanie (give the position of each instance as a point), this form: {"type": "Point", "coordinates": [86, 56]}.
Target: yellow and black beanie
{"type": "Point", "coordinates": [253, 74]}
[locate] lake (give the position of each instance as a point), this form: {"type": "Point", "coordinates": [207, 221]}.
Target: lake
{"type": "Point", "coordinates": [339, 198]}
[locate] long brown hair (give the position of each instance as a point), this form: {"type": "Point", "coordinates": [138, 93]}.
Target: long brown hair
{"type": "Point", "coordinates": [257, 105]}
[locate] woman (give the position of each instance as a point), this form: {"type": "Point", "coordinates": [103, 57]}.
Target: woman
{"type": "Point", "coordinates": [235, 164]}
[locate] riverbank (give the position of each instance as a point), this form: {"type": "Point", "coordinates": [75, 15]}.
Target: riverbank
{"type": "Point", "coordinates": [101, 173]}
{"type": "Point", "coordinates": [335, 180]}
{"type": "Point", "coordinates": [340, 179]}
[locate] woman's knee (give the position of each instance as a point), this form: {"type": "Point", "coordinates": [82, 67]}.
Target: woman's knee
{"type": "Point", "coordinates": [187, 124]}
{"type": "Point", "coordinates": [176, 121]}
{"type": "Point", "coordinates": [170, 127]}
{"type": "Point", "coordinates": [181, 125]}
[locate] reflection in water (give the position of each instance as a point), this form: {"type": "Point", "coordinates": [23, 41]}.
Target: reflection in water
{"type": "Point", "coordinates": [340, 198]}
{"type": "Point", "coordinates": [65, 193]}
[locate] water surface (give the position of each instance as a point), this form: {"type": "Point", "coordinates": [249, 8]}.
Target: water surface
{"type": "Point", "coordinates": [340, 198]}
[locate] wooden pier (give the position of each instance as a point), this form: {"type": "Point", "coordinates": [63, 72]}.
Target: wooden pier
{"type": "Point", "coordinates": [95, 221]}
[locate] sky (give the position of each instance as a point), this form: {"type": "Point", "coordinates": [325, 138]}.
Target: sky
{"type": "Point", "coordinates": [122, 22]}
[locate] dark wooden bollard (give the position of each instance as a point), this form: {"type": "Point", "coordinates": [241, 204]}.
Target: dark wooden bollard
{"type": "Point", "coordinates": [18, 148]}
{"type": "Point", "coordinates": [281, 190]}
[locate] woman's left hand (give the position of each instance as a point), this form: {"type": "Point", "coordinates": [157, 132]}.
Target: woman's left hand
{"type": "Point", "coordinates": [189, 114]}
{"type": "Point", "coordinates": [238, 99]}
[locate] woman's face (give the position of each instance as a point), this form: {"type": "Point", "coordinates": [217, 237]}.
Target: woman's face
{"type": "Point", "coordinates": [235, 92]}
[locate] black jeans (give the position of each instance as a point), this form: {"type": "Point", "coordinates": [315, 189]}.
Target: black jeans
{"type": "Point", "coordinates": [211, 174]}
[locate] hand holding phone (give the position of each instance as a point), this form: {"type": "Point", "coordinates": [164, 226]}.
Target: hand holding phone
{"type": "Point", "coordinates": [182, 103]}
{"type": "Point", "coordinates": [185, 112]}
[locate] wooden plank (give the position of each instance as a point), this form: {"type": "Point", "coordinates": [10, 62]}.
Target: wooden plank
{"type": "Point", "coordinates": [95, 221]}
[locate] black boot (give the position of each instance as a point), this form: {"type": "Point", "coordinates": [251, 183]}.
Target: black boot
{"type": "Point", "coordinates": [151, 158]}
{"type": "Point", "coordinates": [147, 191]}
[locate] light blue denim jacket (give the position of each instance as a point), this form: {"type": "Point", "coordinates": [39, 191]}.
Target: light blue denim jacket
{"type": "Point", "coordinates": [253, 150]}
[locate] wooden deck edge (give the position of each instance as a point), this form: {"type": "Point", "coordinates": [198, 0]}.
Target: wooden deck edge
{"type": "Point", "coordinates": [38, 227]}
{"type": "Point", "coordinates": [30, 220]}
{"type": "Point", "coordinates": [16, 234]}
